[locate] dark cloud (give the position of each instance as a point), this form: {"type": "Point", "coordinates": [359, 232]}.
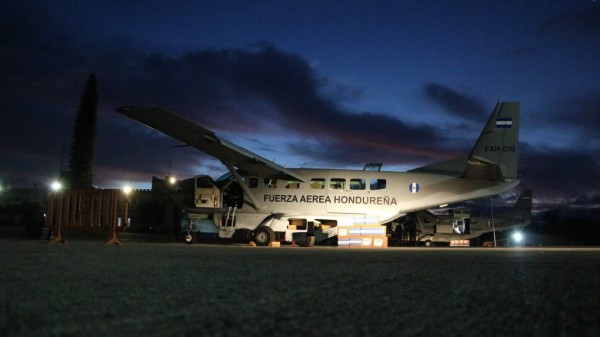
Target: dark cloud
{"type": "Point", "coordinates": [582, 22]}
{"type": "Point", "coordinates": [261, 87]}
{"type": "Point", "coordinates": [246, 91]}
{"type": "Point", "coordinates": [558, 174]}
{"type": "Point", "coordinates": [455, 102]}
{"type": "Point", "coordinates": [592, 201]}
{"type": "Point", "coordinates": [251, 92]}
{"type": "Point", "coordinates": [580, 112]}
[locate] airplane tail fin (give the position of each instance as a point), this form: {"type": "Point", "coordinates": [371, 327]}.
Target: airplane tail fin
{"type": "Point", "coordinates": [520, 213]}
{"type": "Point", "coordinates": [495, 155]}
{"type": "Point", "coordinates": [524, 203]}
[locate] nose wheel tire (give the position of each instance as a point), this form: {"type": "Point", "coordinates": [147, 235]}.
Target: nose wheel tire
{"type": "Point", "coordinates": [189, 238]}
{"type": "Point", "coordinates": [308, 242]}
{"type": "Point", "coordinates": [263, 236]}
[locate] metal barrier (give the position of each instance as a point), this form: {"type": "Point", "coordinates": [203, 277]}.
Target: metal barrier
{"type": "Point", "coordinates": [499, 243]}
{"type": "Point", "coordinates": [95, 210]}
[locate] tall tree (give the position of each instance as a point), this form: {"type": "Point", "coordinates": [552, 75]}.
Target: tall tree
{"type": "Point", "coordinates": [84, 138]}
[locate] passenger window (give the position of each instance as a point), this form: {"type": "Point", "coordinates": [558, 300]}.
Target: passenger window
{"type": "Point", "coordinates": [317, 183]}
{"type": "Point", "coordinates": [270, 183]}
{"type": "Point", "coordinates": [337, 183]}
{"type": "Point", "coordinates": [292, 184]}
{"type": "Point", "coordinates": [377, 184]}
{"type": "Point", "coordinates": [358, 184]}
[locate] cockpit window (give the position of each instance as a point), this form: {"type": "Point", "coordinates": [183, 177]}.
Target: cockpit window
{"type": "Point", "coordinates": [253, 182]}
{"type": "Point", "coordinates": [270, 183]}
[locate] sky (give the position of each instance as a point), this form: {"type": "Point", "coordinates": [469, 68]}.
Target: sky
{"type": "Point", "coordinates": [331, 84]}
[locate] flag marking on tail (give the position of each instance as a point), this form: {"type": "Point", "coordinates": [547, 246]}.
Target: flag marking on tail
{"type": "Point", "coordinates": [504, 122]}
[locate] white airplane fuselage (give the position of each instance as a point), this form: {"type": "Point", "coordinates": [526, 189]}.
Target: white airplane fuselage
{"type": "Point", "coordinates": [344, 195]}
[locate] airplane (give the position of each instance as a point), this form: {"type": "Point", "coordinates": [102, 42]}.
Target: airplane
{"type": "Point", "coordinates": [447, 225]}
{"type": "Point", "coordinates": [306, 205]}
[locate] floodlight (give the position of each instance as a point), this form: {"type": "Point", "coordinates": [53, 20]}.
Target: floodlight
{"type": "Point", "coordinates": [56, 186]}
{"type": "Point", "coordinates": [518, 237]}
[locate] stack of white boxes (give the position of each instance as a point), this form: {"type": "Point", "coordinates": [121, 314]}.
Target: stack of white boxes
{"type": "Point", "coordinates": [364, 233]}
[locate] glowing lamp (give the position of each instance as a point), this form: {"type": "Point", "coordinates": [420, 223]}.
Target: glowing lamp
{"type": "Point", "coordinates": [56, 186]}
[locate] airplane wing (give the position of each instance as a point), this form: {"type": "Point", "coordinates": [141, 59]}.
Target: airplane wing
{"type": "Point", "coordinates": [207, 141]}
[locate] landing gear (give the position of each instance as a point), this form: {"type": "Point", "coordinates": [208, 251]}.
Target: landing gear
{"type": "Point", "coordinates": [263, 236]}
{"type": "Point", "coordinates": [308, 242]}
{"type": "Point", "coordinates": [189, 238]}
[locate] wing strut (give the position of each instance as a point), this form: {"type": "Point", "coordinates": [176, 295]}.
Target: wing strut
{"type": "Point", "coordinates": [255, 204]}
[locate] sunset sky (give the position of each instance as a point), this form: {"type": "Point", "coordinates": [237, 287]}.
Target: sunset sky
{"type": "Point", "coordinates": [330, 84]}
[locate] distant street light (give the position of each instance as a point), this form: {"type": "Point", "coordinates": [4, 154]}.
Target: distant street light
{"type": "Point", "coordinates": [517, 237]}
{"type": "Point", "coordinates": [172, 180]}
{"type": "Point", "coordinates": [56, 186]}
{"type": "Point", "coordinates": [126, 190]}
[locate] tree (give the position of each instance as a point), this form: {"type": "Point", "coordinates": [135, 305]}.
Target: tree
{"type": "Point", "coordinates": [84, 138]}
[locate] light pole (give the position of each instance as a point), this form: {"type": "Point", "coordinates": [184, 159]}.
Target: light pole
{"type": "Point", "coordinates": [126, 191]}
{"type": "Point", "coordinates": [493, 224]}
{"type": "Point", "coordinates": [56, 188]}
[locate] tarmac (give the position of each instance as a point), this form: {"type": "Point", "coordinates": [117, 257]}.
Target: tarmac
{"type": "Point", "coordinates": [85, 288]}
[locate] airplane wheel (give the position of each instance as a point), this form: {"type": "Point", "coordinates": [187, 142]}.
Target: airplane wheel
{"type": "Point", "coordinates": [263, 236]}
{"type": "Point", "coordinates": [308, 242]}
{"type": "Point", "coordinates": [189, 238]}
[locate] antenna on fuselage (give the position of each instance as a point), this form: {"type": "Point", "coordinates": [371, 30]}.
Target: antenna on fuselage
{"type": "Point", "coordinates": [373, 167]}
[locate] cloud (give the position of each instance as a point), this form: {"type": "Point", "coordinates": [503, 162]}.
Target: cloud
{"type": "Point", "coordinates": [266, 90]}
{"type": "Point", "coordinates": [454, 102]}
{"type": "Point", "coordinates": [558, 174]}
{"type": "Point", "coordinates": [582, 22]}
{"type": "Point", "coordinates": [254, 91]}
{"type": "Point", "coordinates": [579, 112]}
{"type": "Point", "coordinates": [592, 201]}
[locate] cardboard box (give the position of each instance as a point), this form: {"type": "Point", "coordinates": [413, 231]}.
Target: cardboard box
{"type": "Point", "coordinates": [366, 220]}
{"type": "Point", "coordinates": [366, 242]}
{"type": "Point", "coordinates": [367, 230]}
{"type": "Point", "coordinates": [380, 242]}
{"type": "Point", "coordinates": [343, 233]}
